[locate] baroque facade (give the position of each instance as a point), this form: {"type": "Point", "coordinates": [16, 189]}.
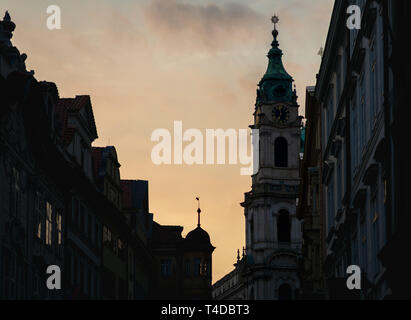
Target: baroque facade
{"type": "Point", "coordinates": [63, 202]}
{"type": "Point", "coordinates": [269, 266]}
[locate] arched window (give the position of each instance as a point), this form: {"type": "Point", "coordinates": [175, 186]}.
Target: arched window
{"type": "Point", "coordinates": [281, 152]}
{"type": "Point", "coordinates": [284, 227]}
{"type": "Point", "coordinates": [284, 292]}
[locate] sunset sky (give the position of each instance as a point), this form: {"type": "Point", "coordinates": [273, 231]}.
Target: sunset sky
{"type": "Point", "coordinates": [147, 63]}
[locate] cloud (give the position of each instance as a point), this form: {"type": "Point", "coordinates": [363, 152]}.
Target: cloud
{"type": "Point", "coordinates": [204, 28]}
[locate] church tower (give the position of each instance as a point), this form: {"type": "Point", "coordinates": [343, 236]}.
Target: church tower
{"type": "Point", "coordinates": [273, 232]}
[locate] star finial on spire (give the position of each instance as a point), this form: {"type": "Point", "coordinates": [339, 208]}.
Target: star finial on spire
{"type": "Point", "coordinates": [275, 19]}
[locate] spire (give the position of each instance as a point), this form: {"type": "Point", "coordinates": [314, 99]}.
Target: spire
{"type": "Point", "coordinates": [275, 68]}
{"type": "Point", "coordinates": [276, 82]}
{"type": "Point", "coordinates": [7, 16]}
{"type": "Point", "coordinates": [198, 211]}
{"type": "Point", "coordinates": [6, 30]}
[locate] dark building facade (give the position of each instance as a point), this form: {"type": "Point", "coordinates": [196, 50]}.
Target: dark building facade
{"type": "Point", "coordinates": [394, 255]}
{"type": "Point", "coordinates": [310, 206]}
{"type": "Point", "coordinates": [360, 96]}
{"type": "Point", "coordinates": [185, 263]}
{"type": "Point", "coordinates": [63, 203]}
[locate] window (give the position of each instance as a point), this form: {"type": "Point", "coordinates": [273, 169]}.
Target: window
{"type": "Point", "coordinates": [373, 81]}
{"type": "Point", "coordinates": [338, 78]}
{"type": "Point", "coordinates": [120, 246]}
{"type": "Point", "coordinates": [39, 216]}
{"type": "Point", "coordinates": [330, 114]}
{"type": "Point", "coordinates": [354, 239]}
{"type": "Point", "coordinates": [204, 268]}
{"type": "Point", "coordinates": [363, 240]}
{"type": "Point", "coordinates": [82, 155]}
{"type": "Point", "coordinates": [69, 264]}
{"type": "Point", "coordinates": [339, 182]}
{"type": "Point", "coordinates": [113, 195]}
{"type": "Point", "coordinates": [75, 271]}
{"type": "Point", "coordinates": [165, 267]}
{"type": "Point", "coordinates": [330, 206]}
{"type": "Point", "coordinates": [362, 114]}
{"type": "Point", "coordinates": [96, 234]}
{"type": "Point", "coordinates": [49, 223]}
{"type": "Point", "coordinates": [81, 218]}
{"type": "Point", "coordinates": [59, 231]}
{"type": "Point", "coordinates": [86, 224]}
{"type": "Point", "coordinates": [284, 227]}
{"type": "Point", "coordinates": [15, 193]}
{"type": "Point", "coordinates": [197, 266]}
{"type": "Point", "coordinates": [81, 274]}
{"type": "Point", "coordinates": [187, 267]}
{"type": "Point", "coordinates": [281, 152]}
{"type": "Point", "coordinates": [75, 212]}
{"type": "Point", "coordinates": [374, 216]}
{"type": "Point", "coordinates": [107, 236]}
{"type": "Point", "coordinates": [90, 227]}
{"type": "Point", "coordinates": [252, 230]}
{"type": "Point", "coordinates": [354, 134]}
{"type": "Point", "coordinates": [354, 249]}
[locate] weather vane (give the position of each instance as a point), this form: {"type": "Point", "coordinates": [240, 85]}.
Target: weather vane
{"type": "Point", "coordinates": [275, 19]}
{"type": "Point", "coordinates": [198, 211]}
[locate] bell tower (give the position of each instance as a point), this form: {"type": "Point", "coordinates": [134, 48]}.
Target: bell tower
{"type": "Point", "coordinates": [273, 232]}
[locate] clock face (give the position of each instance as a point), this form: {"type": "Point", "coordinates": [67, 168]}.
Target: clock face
{"type": "Point", "coordinates": [281, 114]}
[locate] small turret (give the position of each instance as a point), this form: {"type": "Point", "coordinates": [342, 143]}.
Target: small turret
{"type": "Point", "coordinates": [6, 30]}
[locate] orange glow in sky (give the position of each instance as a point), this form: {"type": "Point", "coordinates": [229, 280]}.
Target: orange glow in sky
{"type": "Point", "coordinates": [146, 64]}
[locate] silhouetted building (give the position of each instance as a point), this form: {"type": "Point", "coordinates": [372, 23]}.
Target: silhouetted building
{"type": "Point", "coordinates": [141, 263]}
{"type": "Point", "coordinates": [392, 152]}
{"type": "Point", "coordinates": [184, 264]}
{"type": "Point", "coordinates": [32, 196]}
{"type": "Point", "coordinates": [310, 205]}
{"type": "Point", "coordinates": [62, 203]}
{"type": "Point", "coordinates": [82, 270]}
{"type": "Point", "coordinates": [360, 94]}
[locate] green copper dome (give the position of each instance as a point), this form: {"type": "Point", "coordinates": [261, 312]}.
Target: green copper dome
{"type": "Point", "coordinates": [275, 68]}
{"type": "Point", "coordinates": [276, 84]}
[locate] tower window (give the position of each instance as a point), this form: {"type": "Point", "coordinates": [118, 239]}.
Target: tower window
{"type": "Point", "coordinates": [281, 152]}
{"type": "Point", "coordinates": [284, 227]}
{"type": "Point", "coordinates": [197, 266]}
{"type": "Point", "coordinates": [165, 267]}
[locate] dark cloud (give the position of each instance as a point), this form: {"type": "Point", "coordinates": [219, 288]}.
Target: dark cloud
{"type": "Point", "coordinates": [211, 27]}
